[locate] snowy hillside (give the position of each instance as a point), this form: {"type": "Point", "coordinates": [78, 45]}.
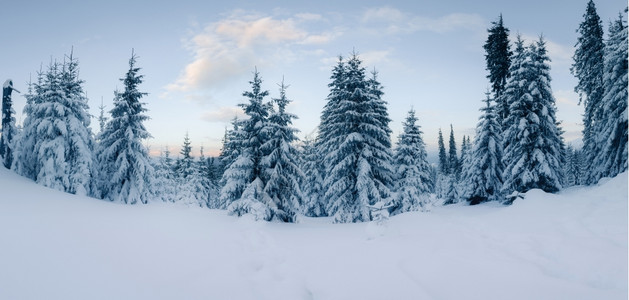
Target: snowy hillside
{"type": "Point", "coordinates": [53, 245]}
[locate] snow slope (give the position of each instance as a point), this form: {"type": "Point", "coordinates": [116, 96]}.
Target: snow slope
{"type": "Point", "coordinates": [58, 246]}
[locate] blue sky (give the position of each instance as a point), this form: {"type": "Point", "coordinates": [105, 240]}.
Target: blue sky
{"type": "Point", "coordinates": [198, 56]}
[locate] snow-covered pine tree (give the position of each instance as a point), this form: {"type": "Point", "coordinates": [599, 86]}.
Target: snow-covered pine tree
{"type": "Point", "coordinates": [102, 119]}
{"type": "Point", "coordinates": [208, 180]}
{"type": "Point", "coordinates": [80, 140]}
{"type": "Point", "coordinates": [8, 125]}
{"type": "Point", "coordinates": [165, 180]}
{"type": "Point", "coordinates": [533, 154]}
{"type": "Point", "coordinates": [498, 60]}
{"type": "Point", "coordinates": [443, 158]}
{"type": "Point", "coordinates": [331, 113]}
{"type": "Point", "coordinates": [513, 88]}
{"type": "Point", "coordinates": [441, 182]}
{"type": "Point", "coordinates": [484, 171]}
{"type": "Point", "coordinates": [466, 161]}
{"type": "Point", "coordinates": [125, 166]}
{"type": "Point", "coordinates": [23, 156]}
{"type": "Point", "coordinates": [56, 143]}
{"type": "Point", "coordinates": [190, 186]}
{"type": "Point", "coordinates": [243, 189]}
{"type": "Point", "coordinates": [573, 168]}
{"type": "Point", "coordinates": [312, 188]}
{"type": "Point", "coordinates": [358, 156]}
{"type": "Point", "coordinates": [588, 68]}
{"type": "Point", "coordinates": [453, 159]}
{"type": "Point", "coordinates": [282, 172]}
{"type": "Point", "coordinates": [184, 166]}
{"type": "Point", "coordinates": [412, 180]}
{"type": "Point", "coordinates": [612, 131]}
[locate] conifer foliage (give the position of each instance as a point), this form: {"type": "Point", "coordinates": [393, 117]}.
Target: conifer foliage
{"type": "Point", "coordinates": [314, 205]}
{"type": "Point", "coordinates": [125, 166]}
{"type": "Point", "coordinates": [412, 171]}
{"type": "Point", "coordinates": [498, 59]}
{"type": "Point", "coordinates": [588, 68]}
{"type": "Point", "coordinates": [612, 130]}
{"type": "Point", "coordinates": [8, 125]}
{"type": "Point", "coordinates": [282, 172]}
{"type": "Point", "coordinates": [483, 176]}
{"type": "Point", "coordinates": [356, 144]}
{"type": "Point", "coordinates": [534, 148]}
{"type": "Point", "coordinates": [243, 189]}
{"type": "Point", "coordinates": [56, 143]}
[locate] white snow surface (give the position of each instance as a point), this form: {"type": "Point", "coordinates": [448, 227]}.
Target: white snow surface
{"type": "Point", "coordinates": [572, 245]}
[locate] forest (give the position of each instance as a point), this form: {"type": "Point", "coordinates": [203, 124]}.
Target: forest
{"type": "Point", "coordinates": [350, 171]}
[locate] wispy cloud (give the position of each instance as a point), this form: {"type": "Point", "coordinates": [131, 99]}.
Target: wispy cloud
{"type": "Point", "coordinates": [393, 21]}
{"type": "Point", "coordinates": [230, 47]}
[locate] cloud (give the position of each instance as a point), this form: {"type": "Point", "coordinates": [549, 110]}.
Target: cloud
{"type": "Point", "coordinates": [222, 114]}
{"type": "Point", "coordinates": [393, 21]}
{"type": "Point", "coordinates": [231, 47]}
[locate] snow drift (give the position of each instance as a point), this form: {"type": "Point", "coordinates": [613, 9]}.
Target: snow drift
{"type": "Point", "coordinates": [572, 245]}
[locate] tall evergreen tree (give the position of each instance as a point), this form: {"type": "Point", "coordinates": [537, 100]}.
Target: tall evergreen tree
{"type": "Point", "coordinates": [282, 171]}
{"type": "Point", "coordinates": [498, 59]}
{"type": "Point", "coordinates": [102, 119]}
{"type": "Point", "coordinates": [412, 171]}
{"type": "Point", "coordinates": [165, 184]}
{"type": "Point", "coordinates": [513, 89]}
{"type": "Point", "coordinates": [453, 160]}
{"type": "Point", "coordinates": [534, 146]}
{"type": "Point", "coordinates": [442, 174]}
{"type": "Point", "coordinates": [125, 166]}
{"type": "Point", "coordinates": [612, 131]}
{"type": "Point", "coordinates": [243, 189]}
{"type": "Point", "coordinates": [8, 125]}
{"type": "Point", "coordinates": [443, 158]}
{"type": "Point", "coordinates": [484, 174]}
{"type": "Point", "coordinates": [184, 166]}
{"type": "Point", "coordinates": [588, 68]}
{"type": "Point", "coordinates": [573, 168]}
{"type": "Point", "coordinates": [357, 153]}
{"type": "Point", "coordinates": [56, 144]}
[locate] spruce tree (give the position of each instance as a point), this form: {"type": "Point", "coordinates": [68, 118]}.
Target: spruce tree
{"type": "Point", "coordinates": [243, 189]}
{"type": "Point", "coordinates": [534, 145]}
{"type": "Point", "coordinates": [125, 166]}
{"type": "Point", "coordinates": [312, 188]}
{"type": "Point", "coordinates": [56, 143]}
{"type": "Point", "coordinates": [184, 166]}
{"type": "Point", "coordinates": [357, 150]}
{"type": "Point", "coordinates": [441, 181]}
{"type": "Point", "coordinates": [588, 68]}
{"type": "Point", "coordinates": [282, 171]}
{"type": "Point", "coordinates": [165, 185]}
{"type": "Point", "coordinates": [412, 171]}
{"type": "Point", "coordinates": [612, 131]}
{"type": "Point", "coordinates": [498, 60]}
{"type": "Point", "coordinates": [443, 158]}
{"type": "Point", "coordinates": [453, 160]}
{"type": "Point", "coordinates": [484, 174]}
{"type": "Point", "coordinates": [573, 168]}
{"type": "Point", "coordinates": [102, 119]}
{"type": "Point", "coordinates": [8, 125]}
{"type": "Point", "coordinates": [513, 89]}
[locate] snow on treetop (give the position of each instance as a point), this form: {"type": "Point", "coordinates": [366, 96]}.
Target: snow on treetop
{"type": "Point", "coordinates": [8, 83]}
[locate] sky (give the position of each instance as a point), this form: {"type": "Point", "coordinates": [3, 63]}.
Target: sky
{"type": "Point", "coordinates": [197, 57]}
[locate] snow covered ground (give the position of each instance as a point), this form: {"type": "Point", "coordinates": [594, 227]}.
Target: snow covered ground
{"type": "Point", "coordinates": [58, 246]}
